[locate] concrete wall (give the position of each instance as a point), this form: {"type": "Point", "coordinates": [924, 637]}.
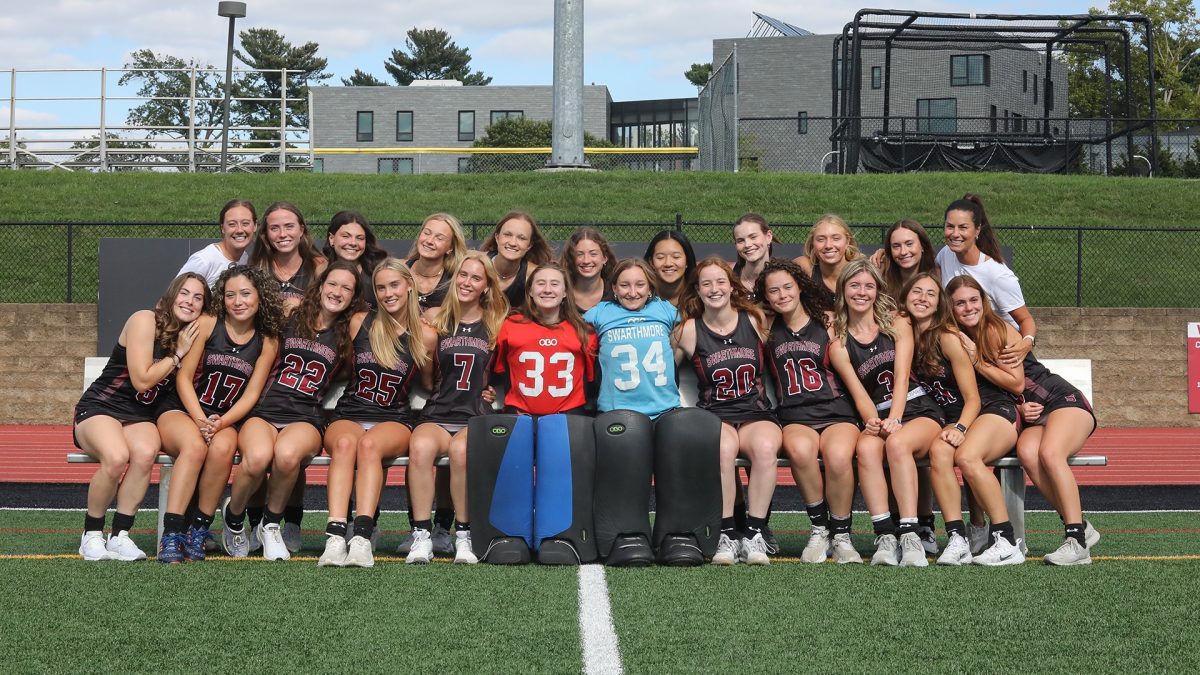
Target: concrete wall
{"type": "Point", "coordinates": [1139, 365]}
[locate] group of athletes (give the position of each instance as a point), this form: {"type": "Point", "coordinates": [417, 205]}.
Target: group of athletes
{"type": "Point", "coordinates": [877, 363]}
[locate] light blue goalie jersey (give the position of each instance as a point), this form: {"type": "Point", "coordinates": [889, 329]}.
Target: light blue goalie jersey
{"type": "Point", "coordinates": [636, 361]}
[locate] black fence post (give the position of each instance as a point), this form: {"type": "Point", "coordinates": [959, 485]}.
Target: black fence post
{"type": "Point", "coordinates": [678, 222]}
{"type": "Point", "coordinates": [70, 263]}
{"type": "Point", "coordinates": [1078, 266]}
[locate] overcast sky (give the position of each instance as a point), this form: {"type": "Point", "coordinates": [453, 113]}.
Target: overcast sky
{"type": "Point", "coordinates": [639, 48]}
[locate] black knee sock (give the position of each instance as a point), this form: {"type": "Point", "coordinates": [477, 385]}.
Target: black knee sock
{"type": "Point", "coordinates": [121, 523]}
{"type": "Point", "coordinates": [201, 520]}
{"type": "Point", "coordinates": [462, 526]}
{"type": "Point", "coordinates": [907, 526]}
{"type": "Point", "coordinates": [926, 521]}
{"type": "Point", "coordinates": [818, 514]}
{"type": "Point", "coordinates": [754, 525]}
{"type": "Point", "coordinates": [336, 528]}
{"type": "Point", "coordinates": [1005, 529]}
{"type": "Point", "coordinates": [234, 521]}
{"type": "Point", "coordinates": [293, 514]}
{"type": "Point", "coordinates": [426, 525]}
{"type": "Point", "coordinates": [364, 526]}
{"type": "Point", "coordinates": [729, 527]}
{"type": "Point", "coordinates": [956, 527]}
{"type": "Point", "coordinates": [271, 518]}
{"type": "Point", "coordinates": [173, 523]}
{"type": "Point", "coordinates": [93, 523]}
{"type": "Point", "coordinates": [255, 514]}
{"type": "Point", "coordinates": [883, 525]}
{"type": "Point", "coordinates": [1075, 531]}
{"type": "Point", "coordinates": [840, 525]}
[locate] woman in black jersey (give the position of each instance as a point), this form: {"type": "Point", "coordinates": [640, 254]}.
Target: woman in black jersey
{"type": "Point", "coordinates": [722, 335]}
{"type": "Point", "coordinates": [461, 350]}
{"type": "Point", "coordinates": [818, 418]}
{"type": "Point", "coordinates": [872, 353]}
{"type": "Point", "coordinates": [673, 260]}
{"type": "Point", "coordinates": [590, 262]}
{"type": "Point", "coordinates": [434, 256]}
{"type": "Point", "coordinates": [517, 248]}
{"type": "Point", "coordinates": [284, 429]}
{"type": "Point", "coordinates": [752, 241]}
{"type": "Point", "coordinates": [829, 247]}
{"type": "Point", "coordinates": [114, 420]}
{"type": "Point", "coordinates": [284, 248]}
{"type": "Point", "coordinates": [993, 432]}
{"type": "Point", "coordinates": [350, 238]}
{"type": "Point", "coordinates": [219, 381]}
{"type": "Point", "coordinates": [372, 421]}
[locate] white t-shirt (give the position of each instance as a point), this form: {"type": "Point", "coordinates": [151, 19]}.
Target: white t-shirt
{"type": "Point", "coordinates": [999, 282]}
{"type": "Point", "coordinates": [209, 262]}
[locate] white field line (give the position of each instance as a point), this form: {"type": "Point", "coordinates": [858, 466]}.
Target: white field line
{"type": "Point", "coordinates": [601, 652]}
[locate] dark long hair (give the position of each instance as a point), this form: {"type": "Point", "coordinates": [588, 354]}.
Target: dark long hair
{"type": "Point", "coordinates": [761, 221]}
{"type": "Point", "coordinates": [567, 312]}
{"type": "Point", "coordinates": [567, 259]}
{"type": "Point", "coordinates": [261, 254]}
{"type": "Point", "coordinates": [892, 274]}
{"type": "Point", "coordinates": [373, 253]}
{"type": "Point", "coordinates": [987, 242]}
{"type": "Point", "coordinates": [927, 347]}
{"type": "Point", "coordinates": [234, 203]}
{"type": "Point", "coordinates": [814, 297]}
{"type": "Point", "coordinates": [269, 319]}
{"type": "Point", "coordinates": [539, 252]}
{"type": "Point", "coordinates": [309, 311]}
{"type": "Point", "coordinates": [991, 334]}
{"type": "Point", "coordinates": [166, 324]}
{"type": "Point", "coordinates": [689, 254]}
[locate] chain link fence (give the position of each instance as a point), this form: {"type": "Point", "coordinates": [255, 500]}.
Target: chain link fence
{"type": "Point", "coordinates": [717, 110]}
{"type": "Point", "coordinates": [1059, 266]}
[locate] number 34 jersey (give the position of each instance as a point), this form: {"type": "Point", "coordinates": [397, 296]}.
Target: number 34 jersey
{"type": "Point", "coordinates": [547, 366]}
{"type": "Point", "coordinates": [637, 366]}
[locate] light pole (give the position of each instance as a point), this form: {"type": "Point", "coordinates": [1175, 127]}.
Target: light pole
{"type": "Point", "coordinates": [235, 11]}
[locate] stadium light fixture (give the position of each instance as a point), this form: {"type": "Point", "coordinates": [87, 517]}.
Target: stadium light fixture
{"type": "Point", "coordinates": [235, 11]}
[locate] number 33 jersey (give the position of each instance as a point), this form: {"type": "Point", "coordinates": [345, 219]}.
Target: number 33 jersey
{"type": "Point", "coordinates": [547, 366]}
{"type": "Point", "coordinates": [637, 366]}
{"type": "Point", "coordinates": [300, 378]}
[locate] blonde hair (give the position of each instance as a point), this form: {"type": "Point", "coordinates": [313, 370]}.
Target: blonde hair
{"type": "Point", "coordinates": [883, 309]}
{"type": "Point", "coordinates": [851, 253]}
{"type": "Point", "coordinates": [458, 242]}
{"type": "Point", "coordinates": [492, 300]}
{"type": "Point", "coordinates": [384, 340]}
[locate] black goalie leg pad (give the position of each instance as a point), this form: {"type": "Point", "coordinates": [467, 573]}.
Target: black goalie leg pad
{"type": "Point", "coordinates": [624, 467]}
{"type": "Point", "coordinates": [500, 487]}
{"type": "Point", "coordinates": [687, 483]}
{"type": "Point", "coordinates": [566, 467]}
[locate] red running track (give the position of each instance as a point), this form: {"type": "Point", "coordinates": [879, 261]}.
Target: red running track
{"type": "Point", "coordinates": [1136, 456]}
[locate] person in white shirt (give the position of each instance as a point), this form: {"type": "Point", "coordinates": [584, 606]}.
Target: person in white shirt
{"type": "Point", "coordinates": [237, 221]}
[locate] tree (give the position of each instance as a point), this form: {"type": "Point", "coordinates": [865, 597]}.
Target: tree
{"type": "Point", "coordinates": [699, 74]}
{"type": "Point", "coordinates": [431, 55]}
{"type": "Point", "coordinates": [361, 79]}
{"type": "Point", "coordinates": [167, 82]}
{"type": "Point", "coordinates": [521, 132]}
{"type": "Point", "coordinates": [117, 160]}
{"type": "Point", "coordinates": [268, 49]}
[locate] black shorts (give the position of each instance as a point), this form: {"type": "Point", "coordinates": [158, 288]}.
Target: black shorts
{"type": "Point", "coordinates": [743, 420]}
{"type": "Point", "coordinates": [124, 417]}
{"type": "Point", "coordinates": [281, 413]}
{"type": "Point", "coordinates": [923, 406]}
{"type": "Point", "coordinates": [1005, 409]}
{"type": "Point", "coordinates": [1071, 400]}
{"type": "Point", "coordinates": [820, 415]}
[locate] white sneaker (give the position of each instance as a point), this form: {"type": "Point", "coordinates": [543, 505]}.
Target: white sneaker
{"type": "Point", "coordinates": [463, 553]}
{"type": "Point", "coordinates": [727, 551]}
{"type": "Point", "coordinates": [817, 548]}
{"type": "Point", "coordinates": [754, 550]}
{"type": "Point", "coordinates": [844, 551]}
{"type": "Point", "coordinates": [374, 536]}
{"type": "Point", "coordinates": [121, 547]}
{"type": "Point", "coordinates": [928, 540]}
{"type": "Point", "coordinates": [92, 548]}
{"type": "Point", "coordinates": [957, 551]}
{"type": "Point", "coordinates": [1001, 553]}
{"type": "Point", "coordinates": [421, 552]}
{"type": "Point", "coordinates": [273, 546]}
{"type": "Point", "coordinates": [335, 553]}
{"type": "Point", "coordinates": [359, 554]}
{"type": "Point", "coordinates": [1071, 552]}
{"type": "Point", "coordinates": [1091, 536]}
{"type": "Point", "coordinates": [292, 537]}
{"type": "Point", "coordinates": [977, 535]}
{"type": "Point", "coordinates": [887, 550]}
{"type": "Point", "coordinates": [912, 551]}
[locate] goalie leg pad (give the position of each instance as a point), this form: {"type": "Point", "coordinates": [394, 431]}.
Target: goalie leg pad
{"type": "Point", "coordinates": [624, 466]}
{"type": "Point", "coordinates": [500, 487]}
{"type": "Point", "coordinates": [687, 478]}
{"type": "Point", "coordinates": [566, 463]}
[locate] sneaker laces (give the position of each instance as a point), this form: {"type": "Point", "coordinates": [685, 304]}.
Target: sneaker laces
{"type": "Point", "coordinates": [911, 544]}
{"type": "Point", "coordinates": [758, 544]}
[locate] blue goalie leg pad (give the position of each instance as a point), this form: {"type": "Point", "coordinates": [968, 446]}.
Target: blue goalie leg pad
{"type": "Point", "coordinates": [566, 458]}
{"type": "Point", "coordinates": [500, 486]}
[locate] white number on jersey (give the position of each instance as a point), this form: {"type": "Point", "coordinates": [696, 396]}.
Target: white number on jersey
{"type": "Point", "coordinates": [533, 383]}
{"type": "Point", "coordinates": [653, 363]}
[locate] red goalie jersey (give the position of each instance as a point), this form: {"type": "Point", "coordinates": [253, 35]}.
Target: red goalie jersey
{"type": "Point", "coordinates": [547, 367]}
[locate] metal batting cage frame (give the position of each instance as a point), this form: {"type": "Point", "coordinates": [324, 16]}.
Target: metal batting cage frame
{"type": "Point", "coordinates": [989, 60]}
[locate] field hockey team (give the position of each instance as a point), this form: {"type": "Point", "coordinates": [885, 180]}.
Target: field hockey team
{"type": "Point", "coordinates": [889, 373]}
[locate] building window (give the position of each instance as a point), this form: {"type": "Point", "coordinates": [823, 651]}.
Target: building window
{"type": "Point", "coordinates": [838, 84]}
{"type": "Point", "coordinates": [395, 165]}
{"type": "Point", "coordinates": [498, 115]}
{"type": "Point", "coordinates": [1035, 89]}
{"type": "Point", "coordinates": [466, 125]}
{"type": "Point", "coordinates": [937, 115]}
{"type": "Point", "coordinates": [969, 70]}
{"type": "Point", "coordinates": [876, 77]}
{"type": "Point", "coordinates": [1024, 81]}
{"type": "Point", "coordinates": [802, 122]}
{"type": "Point", "coordinates": [404, 125]}
{"type": "Point", "coordinates": [464, 165]}
{"type": "Point", "coordinates": [318, 165]}
{"type": "Point", "coordinates": [992, 119]}
{"type": "Point", "coordinates": [366, 126]}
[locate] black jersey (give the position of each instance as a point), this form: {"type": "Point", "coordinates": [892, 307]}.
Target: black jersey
{"type": "Point", "coordinates": [944, 389]}
{"type": "Point", "coordinates": [516, 290]}
{"type": "Point", "coordinates": [376, 393]}
{"type": "Point", "coordinates": [366, 290]}
{"type": "Point", "coordinates": [461, 368]}
{"type": "Point", "coordinates": [1052, 391]}
{"type": "Point", "coordinates": [300, 378]}
{"type": "Point", "coordinates": [437, 296]}
{"type": "Point", "coordinates": [225, 370]}
{"type": "Point", "coordinates": [112, 393]}
{"type": "Point", "coordinates": [873, 364]}
{"type": "Point", "coordinates": [293, 288]}
{"type": "Point", "coordinates": [729, 369]}
{"type": "Point", "coordinates": [806, 387]}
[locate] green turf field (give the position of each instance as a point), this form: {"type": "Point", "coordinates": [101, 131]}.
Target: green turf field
{"type": "Point", "coordinates": [1134, 609]}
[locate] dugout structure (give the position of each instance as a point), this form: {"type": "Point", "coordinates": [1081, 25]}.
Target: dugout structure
{"type": "Point", "coordinates": [940, 91]}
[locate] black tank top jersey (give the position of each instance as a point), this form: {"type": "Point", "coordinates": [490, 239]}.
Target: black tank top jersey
{"type": "Point", "coordinates": [944, 389]}
{"type": "Point", "coordinates": [516, 290]}
{"type": "Point", "coordinates": [435, 297]}
{"type": "Point", "coordinates": [800, 367]}
{"type": "Point", "coordinates": [366, 290]}
{"type": "Point", "coordinates": [729, 369]}
{"type": "Point", "coordinates": [461, 368]}
{"type": "Point", "coordinates": [224, 371]}
{"type": "Point", "coordinates": [300, 378]}
{"type": "Point", "coordinates": [873, 363]}
{"type": "Point", "coordinates": [376, 393]}
{"type": "Point", "coordinates": [1052, 391]}
{"type": "Point", "coordinates": [113, 394]}
{"type": "Point", "coordinates": [293, 289]}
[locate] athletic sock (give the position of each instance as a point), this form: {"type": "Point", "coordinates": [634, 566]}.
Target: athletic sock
{"type": "Point", "coordinates": [124, 523]}
{"type": "Point", "coordinates": [426, 525]}
{"type": "Point", "coordinates": [956, 527]}
{"type": "Point", "coordinates": [754, 525]}
{"type": "Point", "coordinates": [1075, 531]}
{"type": "Point", "coordinates": [271, 518]}
{"type": "Point", "coordinates": [173, 523]}
{"type": "Point", "coordinates": [1005, 529]}
{"type": "Point", "coordinates": [201, 520]}
{"type": "Point", "coordinates": [255, 514]}
{"type": "Point", "coordinates": [882, 524]}
{"type": "Point", "coordinates": [364, 526]}
{"type": "Point", "coordinates": [443, 518]}
{"type": "Point", "coordinates": [93, 523]}
{"type": "Point", "coordinates": [336, 528]}
{"type": "Point", "coordinates": [907, 526]}
{"type": "Point", "coordinates": [729, 527]}
{"type": "Point", "coordinates": [818, 513]}
{"type": "Point", "coordinates": [293, 514]}
{"type": "Point", "coordinates": [462, 526]}
{"type": "Point", "coordinates": [926, 521]}
{"type": "Point", "coordinates": [375, 518]}
{"type": "Point", "coordinates": [840, 525]}
{"type": "Point", "coordinates": [234, 521]}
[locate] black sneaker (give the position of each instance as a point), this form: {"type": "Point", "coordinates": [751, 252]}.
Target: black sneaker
{"type": "Point", "coordinates": [680, 550]}
{"type": "Point", "coordinates": [631, 550]}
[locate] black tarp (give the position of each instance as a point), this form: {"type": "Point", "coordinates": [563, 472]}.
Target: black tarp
{"type": "Point", "coordinates": [886, 156]}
